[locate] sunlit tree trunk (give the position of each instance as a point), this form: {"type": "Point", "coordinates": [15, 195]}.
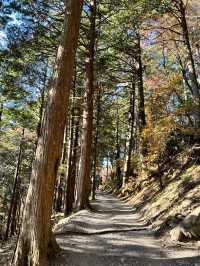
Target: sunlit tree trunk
{"type": "Point", "coordinates": [86, 145]}
{"type": "Point", "coordinates": [195, 83]}
{"type": "Point", "coordinates": [36, 243]}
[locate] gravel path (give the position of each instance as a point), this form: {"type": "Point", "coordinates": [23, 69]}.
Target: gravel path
{"type": "Point", "coordinates": [115, 235]}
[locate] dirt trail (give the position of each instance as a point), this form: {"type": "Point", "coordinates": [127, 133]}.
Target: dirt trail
{"type": "Point", "coordinates": [115, 235]}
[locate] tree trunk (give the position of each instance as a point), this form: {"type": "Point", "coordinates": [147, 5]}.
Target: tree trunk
{"type": "Point", "coordinates": [118, 152]}
{"type": "Point", "coordinates": [36, 242]}
{"type": "Point", "coordinates": [60, 182]}
{"type": "Point", "coordinates": [132, 122]}
{"type": "Point", "coordinates": [195, 87]}
{"type": "Point", "coordinates": [96, 142]}
{"type": "Point", "coordinates": [42, 103]}
{"type": "Point", "coordinates": [141, 114]}
{"type": "Point", "coordinates": [86, 145]}
{"type": "Point", "coordinates": [58, 201]}
{"type": "Point", "coordinates": [11, 222]}
{"type": "Point", "coordinates": [71, 180]}
{"type": "Point", "coordinates": [70, 183]}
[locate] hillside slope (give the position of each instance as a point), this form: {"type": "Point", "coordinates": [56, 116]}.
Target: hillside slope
{"type": "Point", "coordinates": [174, 211]}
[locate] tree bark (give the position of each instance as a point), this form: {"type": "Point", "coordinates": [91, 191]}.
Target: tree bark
{"type": "Point", "coordinates": [132, 122]}
{"type": "Point", "coordinates": [195, 87]}
{"type": "Point", "coordinates": [11, 222]}
{"type": "Point", "coordinates": [141, 114]}
{"type": "Point", "coordinates": [96, 142]}
{"type": "Point", "coordinates": [42, 103]}
{"type": "Point", "coordinates": [86, 146]}
{"type": "Point", "coordinates": [36, 242]}
{"type": "Point", "coordinates": [70, 183]}
{"type": "Point", "coordinates": [118, 152]}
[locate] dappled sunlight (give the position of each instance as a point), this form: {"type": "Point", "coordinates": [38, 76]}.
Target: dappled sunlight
{"type": "Point", "coordinates": [118, 233]}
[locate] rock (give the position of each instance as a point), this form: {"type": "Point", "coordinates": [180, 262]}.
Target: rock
{"type": "Point", "coordinates": [177, 234]}
{"type": "Point", "coordinates": [191, 223]}
{"type": "Point", "coordinates": [189, 228]}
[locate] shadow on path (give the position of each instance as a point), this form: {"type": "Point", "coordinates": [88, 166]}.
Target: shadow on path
{"type": "Point", "coordinates": [115, 235]}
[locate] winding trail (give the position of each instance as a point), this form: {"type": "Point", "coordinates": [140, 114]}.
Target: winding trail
{"type": "Point", "coordinates": [114, 235]}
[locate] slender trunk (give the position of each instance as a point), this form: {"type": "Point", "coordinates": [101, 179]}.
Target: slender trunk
{"type": "Point", "coordinates": [141, 114]}
{"type": "Point", "coordinates": [60, 184]}
{"type": "Point", "coordinates": [96, 142]}
{"type": "Point", "coordinates": [42, 103]}
{"type": "Point", "coordinates": [132, 122]}
{"type": "Point", "coordinates": [11, 222]}
{"type": "Point", "coordinates": [58, 201]}
{"type": "Point", "coordinates": [69, 192]}
{"type": "Point", "coordinates": [36, 242]}
{"type": "Point", "coordinates": [16, 206]}
{"type": "Point", "coordinates": [86, 146]}
{"type": "Point", "coordinates": [117, 157]}
{"type": "Point", "coordinates": [188, 45]}
{"type": "Point", "coordinates": [196, 87]}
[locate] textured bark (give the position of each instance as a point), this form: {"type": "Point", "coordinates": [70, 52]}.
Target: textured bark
{"type": "Point", "coordinates": [86, 145]}
{"type": "Point", "coordinates": [36, 242]}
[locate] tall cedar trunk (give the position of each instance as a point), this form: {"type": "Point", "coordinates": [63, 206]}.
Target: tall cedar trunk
{"type": "Point", "coordinates": [64, 148]}
{"type": "Point", "coordinates": [141, 114]}
{"type": "Point", "coordinates": [196, 87]}
{"type": "Point", "coordinates": [132, 122]}
{"type": "Point", "coordinates": [117, 157]}
{"type": "Point", "coordinates": [59, 189]}
{"type": "Point", "coordinates": [96, 143]}
{"type": "Point", "coordinates": [16, 208]}
{"type": "Point", "coordinates": [36, 242]}
{"type": "Point", "coordinates": [86, 145]}
{"type": "Point", "coordinates": [11, 222]}
{"type": "Point", "coordinates": [69, 193]}
{"type": "Point", "coordinates": [42, 103]}
{"type": "Point", "coordinates": [76, 153]}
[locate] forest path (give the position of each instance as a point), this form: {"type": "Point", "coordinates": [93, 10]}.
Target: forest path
{"type": "Point", "coordinates": [115, 235]}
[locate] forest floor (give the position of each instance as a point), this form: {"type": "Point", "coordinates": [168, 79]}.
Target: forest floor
{"type": "Point", "coordinates": [115, 234]}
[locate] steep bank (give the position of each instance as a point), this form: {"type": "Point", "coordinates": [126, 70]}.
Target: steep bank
{"type": "Point", "coordinates": [174, 211]}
